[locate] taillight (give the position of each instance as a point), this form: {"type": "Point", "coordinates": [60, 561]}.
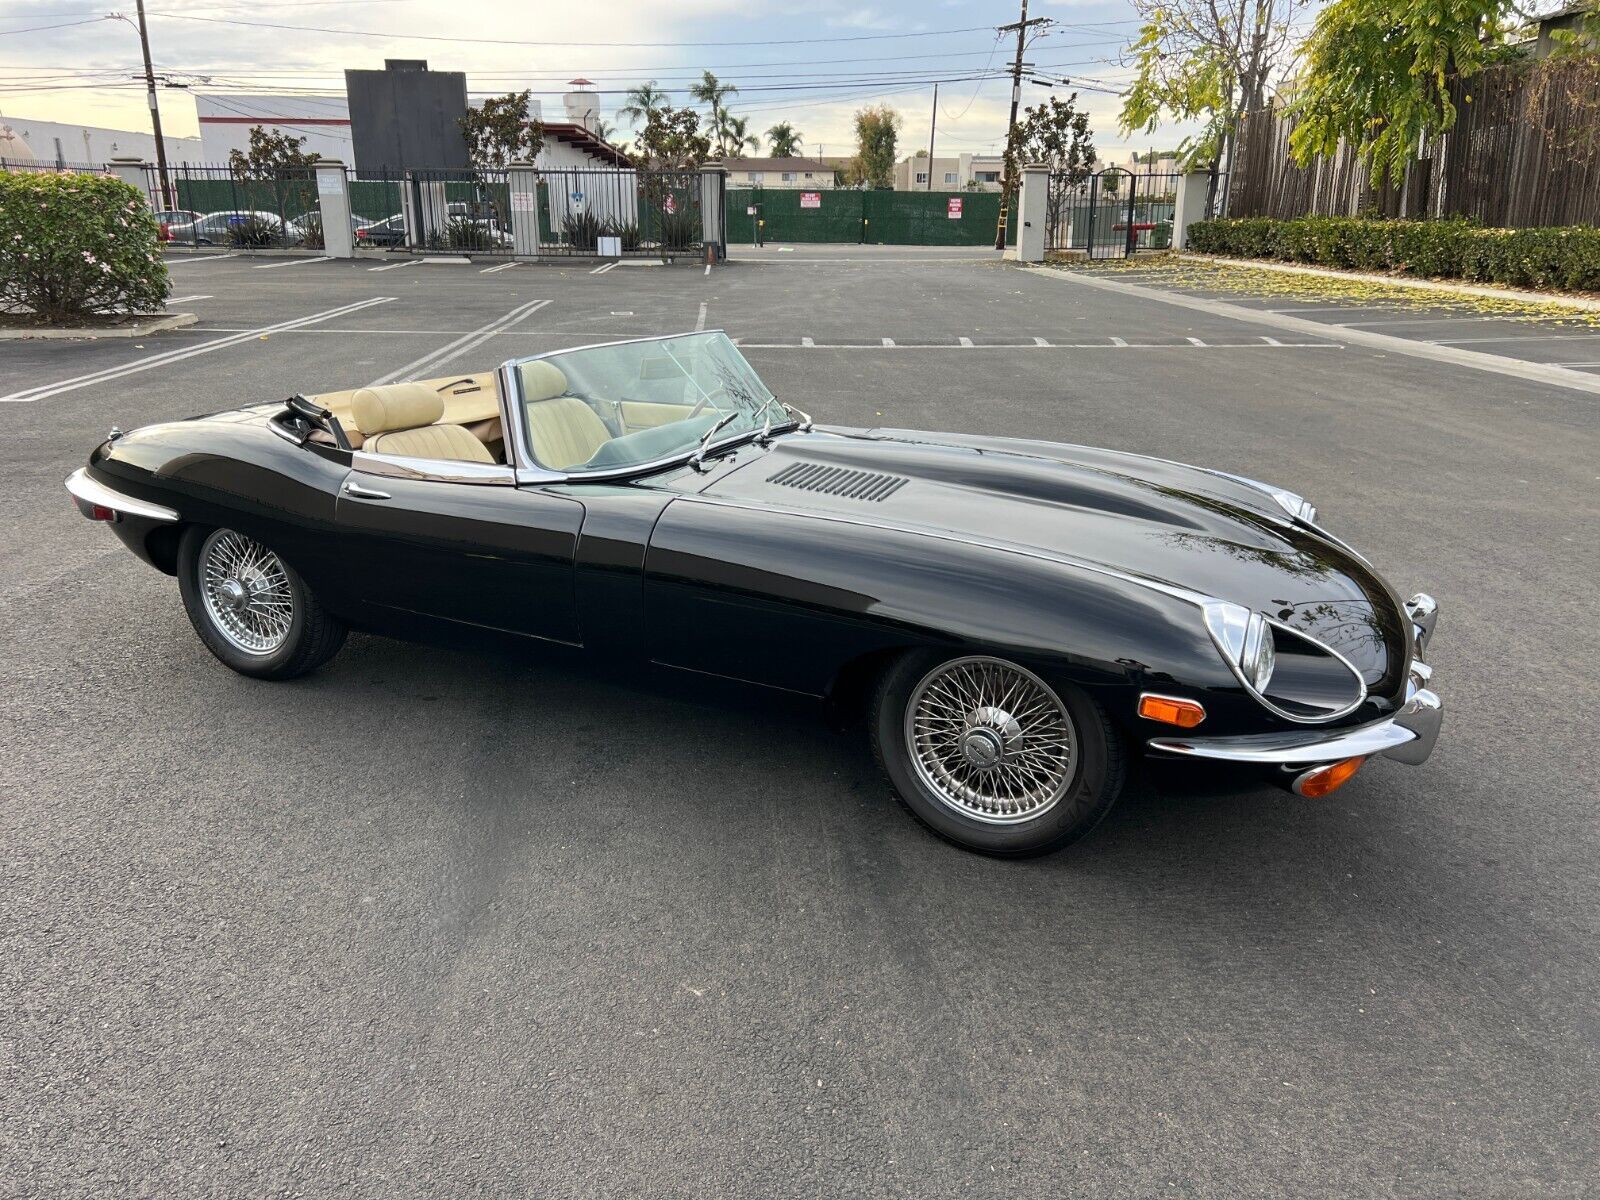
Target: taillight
{"type": "Point", "coordinates": [98, 512]}
{"type": "Point", "coordinates": [1171, 710]}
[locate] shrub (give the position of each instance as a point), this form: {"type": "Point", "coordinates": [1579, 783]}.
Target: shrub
{"type": "Point", "coordinates": [1566, 257]}
{"type": "Point", "coordinates": [75, 245]}
{"type": "Point", "coordinates": [582, 229]}
{"type": "Point", "coordinates": [251, 232]}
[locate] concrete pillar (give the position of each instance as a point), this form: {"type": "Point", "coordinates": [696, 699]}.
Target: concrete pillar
{"type": "Point", "coordinates": [132, 172]}
{"type": "Point", "coordinates": [713, 187]}
{"type": "Point", "coordinates": [1033, 212]}
{"type": "Point", "coordinates": [1190, 206]}
{"type": "Point", "coordinates": [522, 179]}
{"type": "Point", "coordinates": [333, 197]}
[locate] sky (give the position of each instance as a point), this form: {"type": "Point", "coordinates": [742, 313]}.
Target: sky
{"type": "Point", "coordinates": [812, 63]}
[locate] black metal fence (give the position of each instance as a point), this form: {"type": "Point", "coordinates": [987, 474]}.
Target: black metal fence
{"type": "Point", "coordinates": [622, 213]}
{"type": "Point", "coordinates": [217, 206]}
{"type": "Point", "coordinates": [1525, 151]}
{"type": "Point", "coordinates": [1111, 214]}
{"type": "Point", "coordinates": [17, 164]}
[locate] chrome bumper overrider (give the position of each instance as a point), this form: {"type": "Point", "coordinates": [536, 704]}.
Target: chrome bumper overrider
{"type": "Point", "coordinates": [1408, 736]}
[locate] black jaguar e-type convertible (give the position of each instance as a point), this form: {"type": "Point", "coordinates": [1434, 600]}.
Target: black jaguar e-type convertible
{"type": "Point", "coordinates": [1021, 615]}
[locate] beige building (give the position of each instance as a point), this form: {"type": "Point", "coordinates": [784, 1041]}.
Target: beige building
{"type": "Point", "coordinates": [808, 174]}
{"type": "Point", "coordinates": [965, 171]}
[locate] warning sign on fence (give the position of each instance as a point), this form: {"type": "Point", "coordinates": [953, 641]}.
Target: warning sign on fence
{"type": "Point", "coordinates": [810, 199]}
{"type": "Point", "coordinates": [952, 208]}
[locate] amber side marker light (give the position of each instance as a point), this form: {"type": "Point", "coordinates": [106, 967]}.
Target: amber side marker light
{"type": "Point", "coordinates": [1171, 710]}
{"type": "Point", "coordinates": [1323, 781]}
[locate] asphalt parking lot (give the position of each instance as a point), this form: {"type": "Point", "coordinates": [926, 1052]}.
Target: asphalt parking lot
{"type": "Point", "coordinates": [430, 923]}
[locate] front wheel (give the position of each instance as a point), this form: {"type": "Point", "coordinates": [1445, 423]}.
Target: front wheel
{"type": "Point", "coordinates": [993, 757]}
{"type": "Point", "coordinates": [252, 609]}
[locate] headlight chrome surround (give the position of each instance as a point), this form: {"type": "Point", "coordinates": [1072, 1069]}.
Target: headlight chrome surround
{"type": "Point", "coordinates": [1246, 641]}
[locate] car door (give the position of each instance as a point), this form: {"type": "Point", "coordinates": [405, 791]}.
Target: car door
{"type": "Point", "coordinates": [459, 541]}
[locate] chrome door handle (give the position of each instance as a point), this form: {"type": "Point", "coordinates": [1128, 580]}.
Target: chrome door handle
{"type": "Point", "coordinates": [366, 493]}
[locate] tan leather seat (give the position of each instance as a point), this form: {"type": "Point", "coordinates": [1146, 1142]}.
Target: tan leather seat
{"type": "Point", "coordinates": [565, 431]}
{"type": "Point", "coordinates": [399, 419]}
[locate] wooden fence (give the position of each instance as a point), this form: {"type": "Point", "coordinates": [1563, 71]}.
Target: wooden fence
{"type": "Point", "coordinates": [1525, 151]}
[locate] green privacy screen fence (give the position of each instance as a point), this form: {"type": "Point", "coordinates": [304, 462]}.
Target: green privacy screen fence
{"type": "Point", "coordinates": [877, 217]}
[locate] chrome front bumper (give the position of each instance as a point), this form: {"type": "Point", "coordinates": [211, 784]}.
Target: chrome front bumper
{"type": "Point", "coordinates": [1408, 736]}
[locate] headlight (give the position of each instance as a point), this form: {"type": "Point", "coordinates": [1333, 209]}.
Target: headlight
{"type": "Point", "coordinates": [1245, 640]}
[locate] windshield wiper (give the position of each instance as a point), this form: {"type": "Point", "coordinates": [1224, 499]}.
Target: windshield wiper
{"type": "Point", "coordinates": [698, 458]}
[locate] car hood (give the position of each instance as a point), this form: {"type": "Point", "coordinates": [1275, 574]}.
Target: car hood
{"type": "Point", "coordinates": [1163, 521]}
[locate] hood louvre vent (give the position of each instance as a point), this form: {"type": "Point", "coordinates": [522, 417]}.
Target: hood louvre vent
{"type": "Point", "coordinates": [839, 481]}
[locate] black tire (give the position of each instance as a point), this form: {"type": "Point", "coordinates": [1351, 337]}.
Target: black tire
{"type": "Point", "coordinates": [1090, 790]}
{"type": "Point", "coordinates": [313, 635]}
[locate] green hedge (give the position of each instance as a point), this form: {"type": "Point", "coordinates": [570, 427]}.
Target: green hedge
{"type": "Point", "coordinates": [75, 245]}
{"type": "Point", "coordinates": [1566, 258]}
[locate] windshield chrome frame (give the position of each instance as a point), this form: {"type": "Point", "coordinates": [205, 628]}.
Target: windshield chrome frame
{"type": "Point", "coordinates": [520, 449]}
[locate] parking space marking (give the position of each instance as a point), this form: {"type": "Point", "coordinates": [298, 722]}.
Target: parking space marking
{"type": "Point", "coordinates": [700, 321]}
{"type": "Point", "coordinates": [805, 341]}
{"type": "Point", "coordinates": [291, 262]}
{"type": "Point", "coordinates": [1036, 344]}
{"type": "Point", "coordinates": [1041, 343]}
{"type": "Point", "coordinates": [1194, 341]}
{"type": "Point", "coordinates": [966, 341]}
{"type": "Point", "coordinates": [464, 344]}
{"type": "Point", "coordinates": [395, 266]}
{"type": "Point", "coordinates": [1514, 337]}
{"type": "Point", "coordinates": [889, 342]}
{"type": "Point", "coordinates": [1116, 341]}
{"type": "Point", "coordinates": [601, 270]}
{"type": "Point", "coordinates": [171, 300]}
{"type": "Point", "coordinates": [187, 261]}
{"type": "Point", "coordinates": [501, 267]}
{"type": "Point", "coordinates": [1271, 341]}
{"type": "Point", "coordinates": [45, 390]}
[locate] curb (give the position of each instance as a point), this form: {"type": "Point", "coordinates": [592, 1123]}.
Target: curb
{"type": "Point", "coordinates": [1561, 299]}
{"type": "Point", "coordinates": [1498, 364]}
{"type": "Point", "coordinates": [158, 324]}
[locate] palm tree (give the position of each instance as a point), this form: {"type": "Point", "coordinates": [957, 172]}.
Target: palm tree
{"type": "Point", "coordinates": [602, 130]}
{"type": "Point", "coordinates": [711, 90]}
{"type": "Point", "coordinates": [642, 101]}
{"type": "Point", "coordinates": [733, 135]}
{"type": "Point", "coordinates": [784, 139]}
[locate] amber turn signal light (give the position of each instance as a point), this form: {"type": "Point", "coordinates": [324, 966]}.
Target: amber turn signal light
{"type": "Point", "coordinates": [1323, 781]}
{"type": "Point", "coordinates": [1171, 710]}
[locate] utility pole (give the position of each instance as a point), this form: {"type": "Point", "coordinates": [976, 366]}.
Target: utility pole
{"type": "Point", "coordinates": [155, 111]}
{"type": "Point", "coordinates": [1006, 183]}
{"type": "Point", "coordinates": [933, 124]}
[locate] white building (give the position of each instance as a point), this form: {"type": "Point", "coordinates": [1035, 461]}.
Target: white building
{"type": "Point", "coordinates": [324, 121]}
{"type": "Point", "coordinates": [981, 171]}
{"type": "Point", "coordinates": [23, 139]}
{"type": "Point", "coordinates": [808, 174]}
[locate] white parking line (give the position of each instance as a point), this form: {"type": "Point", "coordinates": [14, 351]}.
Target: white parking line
{"type": "Point", "coordinates": [171, 300]}
{"type": "Point", "coordinates": [464, 344]}
{"type": "Point", "coordinates": [889, 342]}
{"type": "Point", "coordinates": [43, 391]}
{"type": "Point", "coordinates": [292, 262]}
{"type": "Point", "coordinates": [966, 342]}
{"type": "Point", "coordinates": [601, 270]}
{"type": "Point", "coordinates": [1039, 341]}
{"type": "Point", "coordinates": [1194, 341]}
{"type": "Point", "coordinates": [1271, 341]}
{"type": "Point", "coordinates": [501, 267]}
{"type": "Point", "coordinates": [395, 266]}
{"type": "Point", "coordinates": [1116, 341]}
{"type": "Point", "coordinates": [807, 342]}
{"type": "Point", "coordinates": [708, 268]}
{"type": "Point", "coordinates": [700, 321]}
{"type": "Point", "coordinates": [186, 261]}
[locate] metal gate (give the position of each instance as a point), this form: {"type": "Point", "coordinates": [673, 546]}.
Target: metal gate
{"type": "Point", "coordinates": [1113, 213]}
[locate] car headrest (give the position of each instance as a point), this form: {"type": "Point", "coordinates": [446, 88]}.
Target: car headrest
{"type": "Point", "coordinates": [542, 381]}
{"type": "Point", "coordinates": [395, 406]}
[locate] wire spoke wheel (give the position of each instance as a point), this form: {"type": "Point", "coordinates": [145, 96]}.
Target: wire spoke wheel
{"type": "Point", "coordinates": [246, 592]}
{"type": "Point", "coordinates": [991, 739]}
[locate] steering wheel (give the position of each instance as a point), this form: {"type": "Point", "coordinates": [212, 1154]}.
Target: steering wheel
{"type": "Point", "coordinates": [705, 401]}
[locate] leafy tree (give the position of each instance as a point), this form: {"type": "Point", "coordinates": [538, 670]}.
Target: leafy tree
{"type": "Point", "coordinates": [1377, 74]}
{"type": "Point", "coordinates": [672, 140]}
{"type": "Point", "coordinates": [602, 130]}
{"type": "Point", "coordinates": [1206, 60]}
{"type": "Point", "coordinates": [784, 140]}
{"type": "Point", "coordinates": [502, 130]}
{"type": "Point", "coordinates": [642, 100]}
{"type": "Point", "coordinates": [711, 90]}
{"type": "Point", "coordinates": [269, 154]}
{"type": "Point", "coordinates": [735, 135]}
{"type": "Point", "coordinates": [877, 128]}
{"type": "Point", "coordinates": [1055, 133]}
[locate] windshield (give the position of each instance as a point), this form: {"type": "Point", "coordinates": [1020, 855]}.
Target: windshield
{"type": "Point", "coordinates": [613, 407]}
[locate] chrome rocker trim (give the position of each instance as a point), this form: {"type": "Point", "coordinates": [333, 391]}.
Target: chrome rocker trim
{"type": "Point", "coordinates": [1407, 737]}
{"type": "Point", "coordinates": [90, 491]}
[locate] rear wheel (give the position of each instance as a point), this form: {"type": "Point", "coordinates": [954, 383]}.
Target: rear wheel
{"type": "Point", "coordinates": [991, 755]}
{"type": "Point", "coordinates": [252, 609]}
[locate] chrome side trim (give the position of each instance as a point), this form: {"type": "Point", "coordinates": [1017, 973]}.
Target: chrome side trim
{"type": "Point", "coordinates": [1423, 610]}
{"type": "Point", "coordinates": [91, 491]}
{"type": "Point", "coordinates": [433, 470]}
